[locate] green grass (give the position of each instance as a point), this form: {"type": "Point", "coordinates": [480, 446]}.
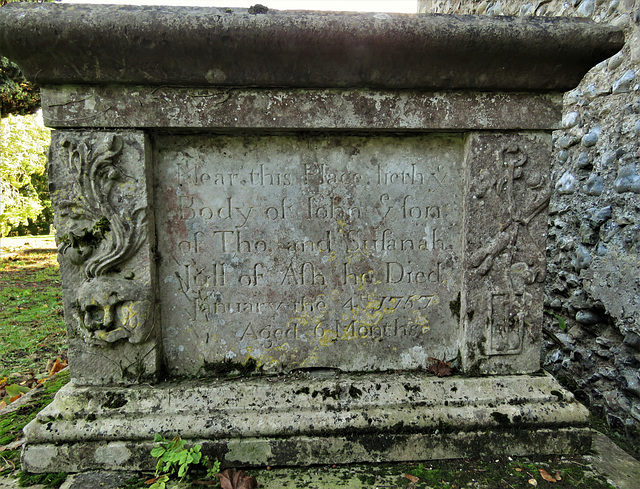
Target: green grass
{"type": "Point", "coordinates": [11, 424]}
{"type": "Point", "coordinates": [31, 322]}
{"type": "Point", "coordinates": [504, 473]}
{"type": "Point", "coordinates": [518, 472]}
{"type": "Point", "coordinates": [33, 334]}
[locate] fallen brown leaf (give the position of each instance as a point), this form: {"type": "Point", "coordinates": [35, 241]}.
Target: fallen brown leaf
{"type": "Point", "coordinates": [412, 478]}
{"type": "Point", "coordinates": [232, 479]}
{"type": "Point", "coordinates": [546, 476]}
{"type": "Point", "coordinates": [441, 368]}
{"type": "Point", "coordinates": [533, 482]}
{"type": "Point", "coordinates": [15, 398]}
{"type": "Point", "coordinates": [57, 366]}
{"type": "Point", "coordinates": [153, 480]}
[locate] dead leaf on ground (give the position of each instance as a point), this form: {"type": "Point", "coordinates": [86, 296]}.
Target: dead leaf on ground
{"type": "Point", "coordinates": [533, 482]}
{"type": "Point", "coordinates": [57, 366]}
{"type": "Point", "coordinates": [232, 479]}
{"type": "Point", "coordinates": [23, 383]}
{"type": "Point", "coordinates": [412, 478]}
{"type": "Point", "coordinates": [546, 476]}
{"type": "Point", "coordinates": [153, 480]}
{"type": "Point", "coordinates": [441, 368]}
{"type": "Point", "coordinates": [15, 398]}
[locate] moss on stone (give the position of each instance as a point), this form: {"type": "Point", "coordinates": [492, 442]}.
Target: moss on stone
{"type": "Point", "coordinates": [229, 368]}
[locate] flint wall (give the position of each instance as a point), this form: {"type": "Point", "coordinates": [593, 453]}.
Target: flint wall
{"type": "Point", "coordinates": [594, 222]}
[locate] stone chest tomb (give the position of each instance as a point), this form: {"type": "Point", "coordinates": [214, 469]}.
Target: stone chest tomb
{"type": "Point", "coordinates": [271, 225]}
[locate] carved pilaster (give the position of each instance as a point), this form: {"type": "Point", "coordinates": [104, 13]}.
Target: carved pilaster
{"type": "Point", "coordinates": [104, 231]}
{"type": "Point", "coordinates": [507, 195]}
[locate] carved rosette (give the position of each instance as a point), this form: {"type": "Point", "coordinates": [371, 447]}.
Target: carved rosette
{"type": "Point", "coordinates": [101, 226]}
{"type": "Point", "coordinates": [505, 220]}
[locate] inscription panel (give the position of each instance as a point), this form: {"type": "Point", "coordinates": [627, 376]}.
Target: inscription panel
{"type": "Point", "coordinates": [333, 251]}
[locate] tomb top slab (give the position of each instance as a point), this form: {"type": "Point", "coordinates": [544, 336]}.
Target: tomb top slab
{"type": "Point", "coordinates": [110, 44]}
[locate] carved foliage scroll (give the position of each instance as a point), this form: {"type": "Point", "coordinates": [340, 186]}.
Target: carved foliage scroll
{"type": "Point", "coordinates": [102, 225]}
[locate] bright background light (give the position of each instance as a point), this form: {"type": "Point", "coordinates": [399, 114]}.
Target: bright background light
{"type": "Point", "coordinates": [402, 6]}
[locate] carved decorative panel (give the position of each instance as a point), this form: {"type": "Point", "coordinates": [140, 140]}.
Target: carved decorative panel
{"type": "Point", "coordinates": [99, 191]}
{"type": "Point", "coordinates": [505, 264]}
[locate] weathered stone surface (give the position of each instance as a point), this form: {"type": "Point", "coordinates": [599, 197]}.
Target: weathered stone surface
{"type": "Point", "coordinates": [301, 109]}
{"type": "Point", "coordinates": [305, 252]}
{"type": "Point", "coordinates": [97, 480]}
{"type": "Point", "coordinates": [606, 277]}
{"type": "Point", "coordinates": [371, 418]}
{"type": "Point", "coordinates": [193, 46]}
{"type": "Point", "coordinates": [504, 265]}
{"type": "Point", "coordinates": [300, 221]}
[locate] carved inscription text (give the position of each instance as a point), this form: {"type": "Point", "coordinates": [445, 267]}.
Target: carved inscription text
{"type": "Point", "coordinates": [297, 251]}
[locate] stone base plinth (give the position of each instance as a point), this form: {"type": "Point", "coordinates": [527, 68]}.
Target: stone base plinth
{"type": "Point", "coordinates": [303, 419]}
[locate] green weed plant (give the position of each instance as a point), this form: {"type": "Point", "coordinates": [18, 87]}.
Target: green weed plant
{"type": "Point", "coordinates": [175, 458]}
{"type": "Point", "coordinates": [562, 324]}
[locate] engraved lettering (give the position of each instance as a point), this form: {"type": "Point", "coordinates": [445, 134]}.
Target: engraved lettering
{"type": "Point", "coordinates": [185, 204]}
{"type": "Point", "coordinates": [263, 178]}
{"type": "Point", "coordinates": [191, 247]}
{"type": "Point", "coordinates": [270, 335]}
{"type": "Point", "coordinates": [256, 277]}
{"type": "Point", "coordinates": [350, 277]}
{"type": "Point", "coordinates": [353, 330]}
{"type": "Point", "coordinates": [384, 211]}
{"type": "Point", "coordinates": [239, 214]}
{"type": "Point", "coordinates": [319, 173]}
{"type": "Point", "coordinates": [282, 211]}
{"type": "Point", "coordinates": [430, 241]}
{"type": "Point", "coordinates": [411, 210]}
{"type": "Point", "coordinates": [327, 208]}
{"type": "Point", "coordinates": [396, 273]}
{"type": "Point", "coordinates": [192, 277]}
{"type": "Point", "coordinates": [409, 177]}
{"type": "Point", "coordinates": [324, 240]}
{"type": "Point", "coordinates": [307, 246]}
{"type": "Point", "coordinates": [305, 274]}
{"type": "Point", "coordinates": [306, 305]}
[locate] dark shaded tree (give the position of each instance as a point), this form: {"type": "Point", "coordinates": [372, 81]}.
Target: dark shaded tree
{"type": "Point", "coordinates": [17, 95]}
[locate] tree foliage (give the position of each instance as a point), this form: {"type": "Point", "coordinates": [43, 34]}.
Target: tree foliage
{"type": "Point", "coordinates": [17, 95]}
{"type": "Point", "coordinates": [4, 2]}
{"type": "Point", "coordinates": [23, 148]}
